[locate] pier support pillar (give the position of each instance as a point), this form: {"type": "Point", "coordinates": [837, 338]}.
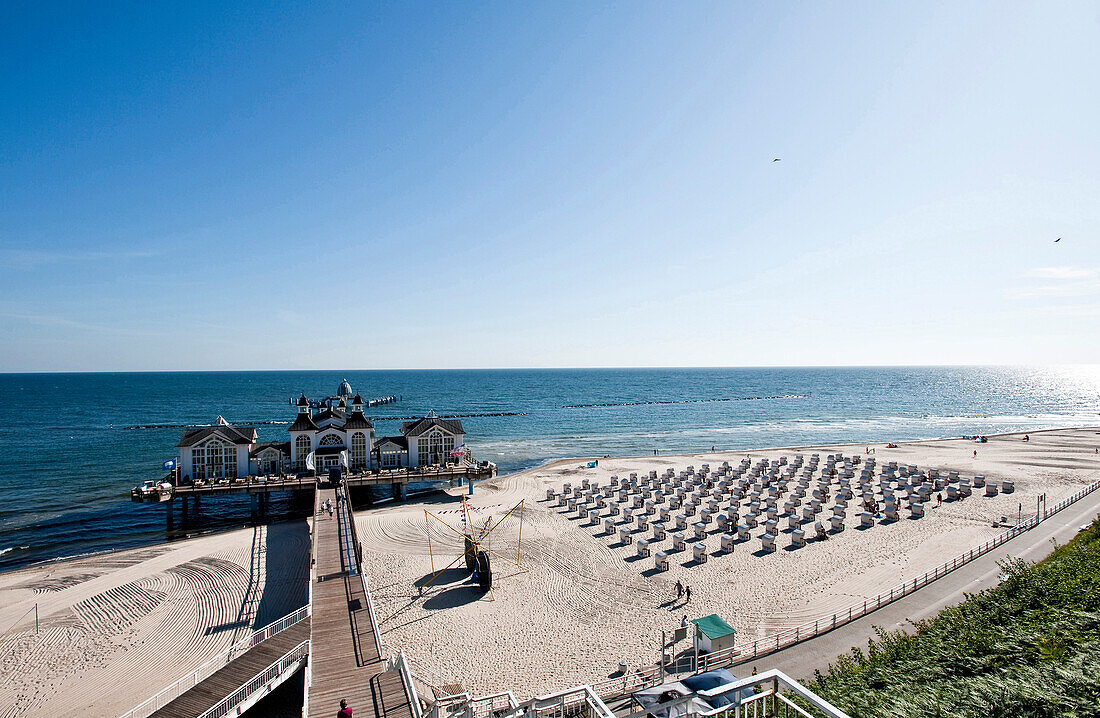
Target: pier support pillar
{"type": "Point", "coordinates": [400, 491]}
{"type": "Point", "coordinates": [254, 500]}
{"type": "Point", "coordinates": [470, 483]}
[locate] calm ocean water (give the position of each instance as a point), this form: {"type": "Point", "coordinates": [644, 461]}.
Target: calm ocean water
{"type": "Point", "coordinates": [68, 460]}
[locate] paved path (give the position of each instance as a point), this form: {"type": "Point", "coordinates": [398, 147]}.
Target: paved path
{"type": "Point", "coordinates": [345, 653]}
{"type": "Point", "coordinates": [801, 660]}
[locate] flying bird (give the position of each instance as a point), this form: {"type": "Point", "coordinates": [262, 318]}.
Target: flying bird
{"type": "Point", "coordinates": [1058, 240]}
{"type": "Point", "coordinates": [776, 159]}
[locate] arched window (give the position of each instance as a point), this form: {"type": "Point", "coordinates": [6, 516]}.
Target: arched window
{"type": "Point", "coordinates": [331, 440]}
{"type": "Point", "coordinates": [435, 446]}
{"type": "Point", "coordinates": [301, 447]}
{"type": "Point", "coordinates": [270, 461]}
{"type": "Point", "coordinates": [215, 459]}
{"type": "Point", "coordinates": [358, 450]}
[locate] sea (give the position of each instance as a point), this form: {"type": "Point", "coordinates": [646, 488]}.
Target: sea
{"type": "Point", "coordinates": [73, 445]}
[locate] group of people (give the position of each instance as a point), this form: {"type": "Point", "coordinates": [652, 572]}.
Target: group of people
{"type": "Point", "coordinates": [683, 592]}
{"type": "Point", "coordinates": [327, 506]}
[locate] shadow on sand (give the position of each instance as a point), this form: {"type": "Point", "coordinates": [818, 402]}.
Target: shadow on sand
{"type": "Point", "coordinates": [454, 597]}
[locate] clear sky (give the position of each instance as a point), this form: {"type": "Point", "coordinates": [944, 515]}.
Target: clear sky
{"type": "Point", "coordinates": [363, 185]}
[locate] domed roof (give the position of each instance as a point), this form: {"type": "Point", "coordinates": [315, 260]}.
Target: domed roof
{"type": "Point", "coordinates": [345, 389]}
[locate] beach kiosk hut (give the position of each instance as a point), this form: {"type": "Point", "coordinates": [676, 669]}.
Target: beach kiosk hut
{"type": "Point", "coordinates": [713, 634]}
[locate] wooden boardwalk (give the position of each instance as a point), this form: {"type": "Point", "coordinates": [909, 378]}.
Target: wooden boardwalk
{"type": "Point", "coordinates": [238, 672]}
{"type": "Point", "coordinates": [345, 652]}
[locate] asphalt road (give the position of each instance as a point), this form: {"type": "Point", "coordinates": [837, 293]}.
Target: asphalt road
{"type": "Point", "coordinates": [800, 661]}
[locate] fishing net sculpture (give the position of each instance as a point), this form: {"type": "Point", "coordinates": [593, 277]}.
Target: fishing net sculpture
{"type": "Point", "coordinates": [477, 548]}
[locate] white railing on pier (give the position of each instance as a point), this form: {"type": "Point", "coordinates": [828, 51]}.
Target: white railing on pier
{"type": "Point", "coordinates": [770, 697]}
{"type": "Point", "coordinates": [267, 678]}
{"type": "Point", "coordinates": [200, 674]}
{"type": "Point", "coordinates": [578, 701]}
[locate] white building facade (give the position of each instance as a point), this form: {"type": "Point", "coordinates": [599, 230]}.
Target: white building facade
{"type": "Point", "coordinates": [332, 433]}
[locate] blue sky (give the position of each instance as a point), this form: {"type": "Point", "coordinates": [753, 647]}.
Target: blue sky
{"type": "Point", "coordinates": [506, 185]}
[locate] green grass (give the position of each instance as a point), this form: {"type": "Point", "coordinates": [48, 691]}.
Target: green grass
{"type": "Point", "coordinates": [1028, 647]}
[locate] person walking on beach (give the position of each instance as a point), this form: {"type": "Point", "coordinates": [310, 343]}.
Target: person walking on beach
{"type": "Point", "coordinates": [687, 594]}
{"type": "Point", "coordinates": [684, 622]}
{"type": "Point", "coordinates": [344, 711]}
{"type": "Point", "coordinates": [679, 590]}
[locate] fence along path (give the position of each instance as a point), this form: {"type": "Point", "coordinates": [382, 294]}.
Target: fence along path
{"type": "Point", "coordinates": [345, 652]}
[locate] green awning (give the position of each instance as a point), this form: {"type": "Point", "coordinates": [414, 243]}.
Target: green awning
{"type": "Point", "coordinates": [713, 626]}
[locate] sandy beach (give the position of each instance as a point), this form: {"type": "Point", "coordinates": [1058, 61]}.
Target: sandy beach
{"type": "Point", "coordinates": [116, 628]}
{"type": "Point", "coordinates": [585, 602]}
{"type": "Point", "coordinates": [131, 622]}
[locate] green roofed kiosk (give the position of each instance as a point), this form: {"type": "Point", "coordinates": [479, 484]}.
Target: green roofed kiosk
{"type": "Point", "coordinates": [712, 633]}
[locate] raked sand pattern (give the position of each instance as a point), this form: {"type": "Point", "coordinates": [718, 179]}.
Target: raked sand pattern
{"type": "Point", "coordinates": [117, 628]}
{"type": "Point", "coordinates": [587, 602]}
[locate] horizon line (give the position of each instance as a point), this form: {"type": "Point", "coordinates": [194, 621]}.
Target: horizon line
{"type": "Point", "coordinates": [549, 368]}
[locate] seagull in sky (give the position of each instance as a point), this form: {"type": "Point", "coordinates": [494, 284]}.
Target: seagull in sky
{"type": "Point", "coordinates": [776, 159]}
{"type": "Point", "coordinates": [1058, 240]}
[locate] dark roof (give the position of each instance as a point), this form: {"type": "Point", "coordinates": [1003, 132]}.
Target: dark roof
{"type": "Point", "coordinates": [328, 450]}
{"type": "Point", "coordinates": [328, 414]}
{"type": "Point", "coordinates": [304, 422]}
{"type": "Point", "coordinates": [358, 421]}
{"type": "Point", "coordinates": [357, 399]}
{"type": "Point", "coordinates": [303, 401]}
{"type": "Point", "coordinates": [283, 446]}
{"type": "Point", "coordinates": [398, 441]}
{"type": "Point", "coordinates": [236, 434]}
{"type": "Point", "coordinates": [421, 426]}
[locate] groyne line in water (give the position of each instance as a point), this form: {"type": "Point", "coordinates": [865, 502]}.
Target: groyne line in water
{"type": "Point", "coordinates": [684, 401]}
{"type": "Point", "coordinates": [372, 418]}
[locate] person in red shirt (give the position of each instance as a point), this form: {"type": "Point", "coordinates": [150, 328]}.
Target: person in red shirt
{"type": "Point", "coordinates": [345, 712]}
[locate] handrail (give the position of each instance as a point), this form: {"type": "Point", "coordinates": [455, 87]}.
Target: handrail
{"type": "Point", "coordinates": [351, 533]}
{"type": "Point", "coordinates": [406, 677]}
{"type": "Point", "coordinates": [207, 669]}
{"type": "Point", "coordinates": [741, 705]}
{"type": "Point", "coordinates": [234, 699]}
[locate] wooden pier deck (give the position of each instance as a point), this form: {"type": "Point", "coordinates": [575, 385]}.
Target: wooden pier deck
{"type": "Point", "coordinates": [345, 650]}
{"type": "Point", "coordinates": [238, 672]}
{"type": "Point", "coordinates": [264, 485]}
